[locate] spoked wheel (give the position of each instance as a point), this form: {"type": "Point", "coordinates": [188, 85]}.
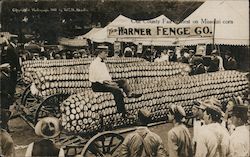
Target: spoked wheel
{"type": "Point", "coordinates": [20, 88]}
{"type": "Point", "coordinates": [102, 145]}
{"type": "Point", "coordinates": [30, 103]}
{"type": "Point", "coordinates": [50, 107]}
{"type": "Point", "coordinates": [24, 95]}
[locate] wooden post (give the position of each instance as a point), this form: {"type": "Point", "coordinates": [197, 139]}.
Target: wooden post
{"type": "Point", "coordinates": [213, 46]}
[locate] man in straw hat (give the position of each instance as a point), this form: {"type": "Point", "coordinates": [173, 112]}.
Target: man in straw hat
{"type": "Point", "coordinates": [47, 128]}
{"type": "Point", "coordinates": [101, 81]}
{"type": "Point", "coordinates": [239, 139]}
{"type": "Point", "coordinates": [213, 138]}
{"type": "Point", "coordinates": [179, 138]}
{"type": "Point", "coordinates": [142, 142]}
{"type": "Point", "coordinates": [198, 112]}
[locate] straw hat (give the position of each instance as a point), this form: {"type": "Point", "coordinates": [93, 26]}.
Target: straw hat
{"type": "Point", "coordinates": [48, 127]}
{"type": "Point", "coordinates": [178, 111]}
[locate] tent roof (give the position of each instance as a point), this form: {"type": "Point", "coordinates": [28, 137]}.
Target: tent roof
{"type": "Point", "coordinates": [72, 42]}
{"type": "Point", "coordinates": [236, 32]}
{"type": "Point", "coordinates": [102, 36]}
{"type": "Point", "coordinates": [89, 34]}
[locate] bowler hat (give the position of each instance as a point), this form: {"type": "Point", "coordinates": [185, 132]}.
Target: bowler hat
{"type": "Point", "coordinates": [48, 127]}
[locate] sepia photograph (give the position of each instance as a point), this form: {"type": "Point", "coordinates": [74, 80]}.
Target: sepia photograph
{"type": "Point", "coordinates": [124, 78]}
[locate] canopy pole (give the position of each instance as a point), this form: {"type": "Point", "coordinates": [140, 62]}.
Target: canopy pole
{"type": "Point", "coordinates": [213, 45]}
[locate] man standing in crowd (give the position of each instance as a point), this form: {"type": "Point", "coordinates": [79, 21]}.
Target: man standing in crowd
{"type": "Point", "coordinates": [198, 112]}
{"type": "Point", "coordinates": [183, 58]}
{"type": "Point", "coordinates": [239, 139]}
{"type": "Point", "coordinates": [172, 56]}
{"type": "Point", "coordinates": [8, 75]}
{"type": "Point", "coordinates": [128, 52]}
{"type": "Point", "coordinates": [163, 57]}
{"type": "Point", "coordinates": [48, 128]}
{"type": "Point", "coordinates": [196, 65]}
{"type": "Point", "coordinates": [216, 62]}
{"type": "Point", "coordinates": [101, 81]}
{"type": "Point", "coordinates": [213, 138]}
{"type": "Point", "coordinates": [230, 62]}
{"type": "Point", "coordinates": [142, 142]}
{"type": "Point", "coordinates": [179, 138]}
{"type": "Point", "coordinates": [9, 55]}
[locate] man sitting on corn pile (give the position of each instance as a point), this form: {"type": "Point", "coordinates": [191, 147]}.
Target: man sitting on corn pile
{"type": "Point", "coordinates": [101, 81]}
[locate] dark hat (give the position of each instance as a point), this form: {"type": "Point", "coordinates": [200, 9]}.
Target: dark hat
{"type": "Point", "coordinates": [240, 111]}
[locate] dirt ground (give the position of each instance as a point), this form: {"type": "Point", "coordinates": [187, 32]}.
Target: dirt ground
{"type": "Point", "coordinates": [23, 134]}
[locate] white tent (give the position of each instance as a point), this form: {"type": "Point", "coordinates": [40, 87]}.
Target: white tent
{"type": "Point", "coordinates": [232, 22]}
{"type": "Point", "coordinates": [89, 34]}
{"type": "Point", "coordinates": [122, 21]}
{"type": "Point", "coordinates": [102, 35]}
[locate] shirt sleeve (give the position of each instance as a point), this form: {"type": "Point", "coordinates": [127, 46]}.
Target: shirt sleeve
{"type": "Point", "coordinates": [161, 152]}
{"type": "Point", "coordinates": [201, 149]}
{"type": "Point", "coordinates": [225, 143]}
{"type": "Point", "coordinates": [237, 148]}
{"type": "Point", "coordinates": [124, 150]}
{"type": "Point", "coordinates": [172, 144]}
{"type": "Point", "coordinates": [29, 150]}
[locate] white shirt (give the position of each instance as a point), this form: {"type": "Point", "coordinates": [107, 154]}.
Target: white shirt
{"type": "Point", "coordinates": [212, 141]}
{"type": "Point", "coordinates": [221, 67]}
{"type": "Point", "coordinates": [239, 142]}
{"type": "Point", "coordinates": [197, 127]}
{"type": "Point", "coordinates": [98, 71]}
{"type": "Point", "coordinates": [162, 58]}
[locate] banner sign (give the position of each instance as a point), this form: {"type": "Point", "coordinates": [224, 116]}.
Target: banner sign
{"type": "Point", "coordinates": [159, 31]}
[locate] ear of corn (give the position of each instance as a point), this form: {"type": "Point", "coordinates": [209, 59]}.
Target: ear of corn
{"type": "Point", "coordinates": [85, 112]}
{"type": "Point", "coordinates": [31, 66]}
{"type": "Point", "coordinates": [74, 79]}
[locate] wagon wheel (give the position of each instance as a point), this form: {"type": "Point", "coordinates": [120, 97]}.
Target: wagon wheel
{"type": "Point", "coordinates": [24, 95]}
{"type": "Point", "coordinates": [50, 107]}
{"type": "Point", "coordinates": [102, 145]}
{"type": "Point", "coordinates": [20, 87]}
{"type": "Point", "coordinates": [30, 101]}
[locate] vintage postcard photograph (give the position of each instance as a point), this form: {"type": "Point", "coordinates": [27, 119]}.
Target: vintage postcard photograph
{"type": "Point", "coordinates": [124, 78]}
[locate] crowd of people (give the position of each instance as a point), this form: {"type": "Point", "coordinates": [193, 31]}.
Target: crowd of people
{"type": "Point", "coordinates": [214, 134]}
{"type": "Point", "coordinates": [219, 128]}
{"type": "Point", "coordinates": [199, 63]}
